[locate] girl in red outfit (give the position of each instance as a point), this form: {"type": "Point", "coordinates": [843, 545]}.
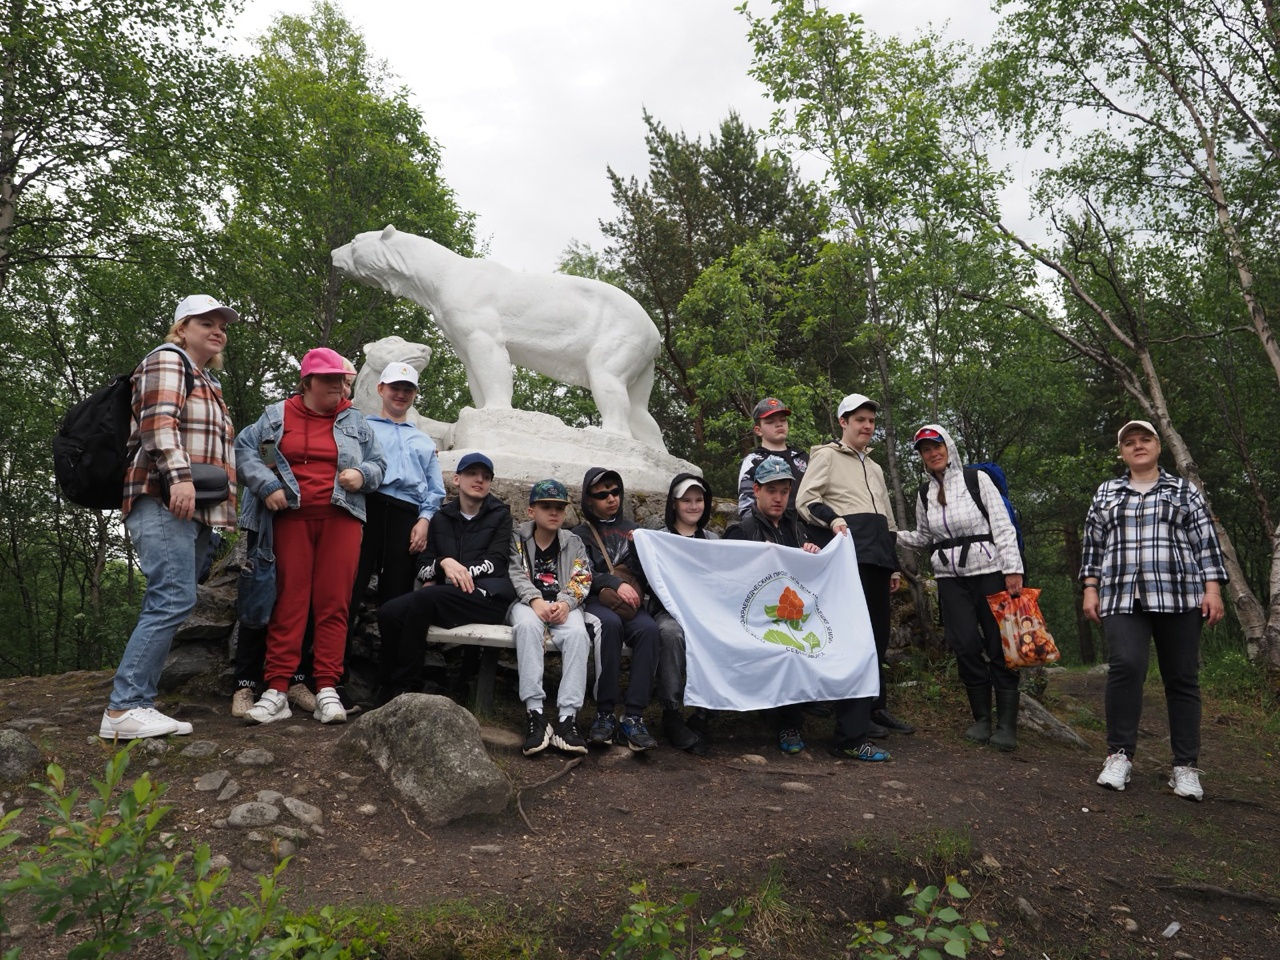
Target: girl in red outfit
{"type": "Point", "coordinates": [303, 466]}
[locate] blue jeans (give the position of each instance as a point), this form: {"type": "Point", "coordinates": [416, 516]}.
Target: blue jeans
{"type": "Point", "coordinates": [169, 552]}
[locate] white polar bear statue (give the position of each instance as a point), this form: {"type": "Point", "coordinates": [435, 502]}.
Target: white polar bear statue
{"type": "Point", "coordinates": [578, 331]}
{"type": "Point", "coordinates": [364, 395]}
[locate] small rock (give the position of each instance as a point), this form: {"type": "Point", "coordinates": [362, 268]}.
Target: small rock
{"type": "Point", "coordinates": [487, 849]}
{"type": "Point", "coordinates": [155, 745]}
{"type": "Point", "coordinates": [775, 809]}
{"type": "Point", "coordinates": [341, 796]}
{"type": "Point", "coordinates": [1029, 913]}
{"type": "Point", "coordinates": [868, 816]}
{"type": "Point", "coordinates": [1130, 925]}
{"type": "Point", "coordinates": [219, 861]}
{"type": "Point", "coordinates": [303, 811]}
{"type": "Point", "coordinates": [367, 809]}
{"type": "Point", "coordinates": [252, 865]}
{"type": "Point", "coordinates": [1100, 669]}
{"type": "Point", "coordinates": [1180, 955]}
{"type": "Point", "coordinates": [200, 749]}
{"type": "Point", "coordinates": [368, 853]}
{"type": "Point", "coordinates": [25, 724]}
{"type": "Point", "coordinates": [295, 728]}
{"type": "Point", "coordinates": [221, 823]}
{"type": "Point", "coordinates": [213, 781]}
{"type": "Point", "coordinates": [500, 738]}
{"type": "Point", "coordinates": [895, 785]}
{"type": "Point", "coordinates": [269, 796]}
{"type": "Point", "coordinates": [792, 786]}
{"type": "Point", "coordinates": [286, 848]}
{"type": "Point", "coordinates": [316, 830]}
{"type": "Point", "coordinates": [1117, 908]}
{"type": "Point", "coordinates": [253, 814]}
{"type": "Point", "coordinates": [256, 757]}
{"type": "Point", "coordinates": [229, 791]}
{"type": "Point", "coordinates": [754, 759]}
{"type": "Point", "coordinates": [297, 834]}
{"type": "Point", "coordinates": [990, 862]}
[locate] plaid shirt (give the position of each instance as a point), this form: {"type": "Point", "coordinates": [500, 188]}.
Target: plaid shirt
{"type": "Point", "coordinates": [1158, 547]}
{"type": "Point", "coordinates": [172, 430]}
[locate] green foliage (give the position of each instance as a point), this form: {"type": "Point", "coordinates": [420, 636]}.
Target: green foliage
{"type": "Point", "coordinates": [654, 931]}
{"type": "Point", "coordinates": [106, 870]}
{"type": "Point", "coordinates": [932, 928]}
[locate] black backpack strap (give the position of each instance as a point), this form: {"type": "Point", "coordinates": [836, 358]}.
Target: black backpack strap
{"type": "Point", "coordinates": [922, 497]}
{"type": "Point", "coordinates": [975, 491]}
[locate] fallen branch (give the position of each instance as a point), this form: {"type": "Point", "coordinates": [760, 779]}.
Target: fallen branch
{"type": "Point", "coordinates": [541, 783]}
{"type": "Point", "coordinates": [783, 772]}
{"type": "Point", "coordinates": [409, 820]}
{"type": "Point", "coordinates": [1208, 890]}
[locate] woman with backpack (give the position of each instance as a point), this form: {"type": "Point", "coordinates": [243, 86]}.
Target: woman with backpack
{"type": "Point", "coordinates": [974, 551]}
{"type": "Point", "coordinates": [181, 425]}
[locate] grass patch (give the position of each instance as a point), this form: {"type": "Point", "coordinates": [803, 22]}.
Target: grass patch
{"type": "Point", "coordinates": [773, 917]}
{"type": "Point", "coordinates": [454, 929]}
{"type": "Point", "coordinates": [945, 849]}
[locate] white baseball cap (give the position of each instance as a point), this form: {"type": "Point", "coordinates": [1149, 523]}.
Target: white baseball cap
{"type": "Point", "coordinates": [399, 372]}
{"type": "Point", "coordinates": [852, 402]}
{"type": "Point", "coordinates": [1136, 425]}
{"type": "Point", "coordinates": [199, 303]}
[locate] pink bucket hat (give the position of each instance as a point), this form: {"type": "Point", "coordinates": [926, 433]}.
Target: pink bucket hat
{"type": "Point", "coordinates": [322, 360]}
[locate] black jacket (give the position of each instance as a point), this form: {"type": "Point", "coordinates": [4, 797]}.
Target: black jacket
{"type": "Point", "coordinates": [615, 533]}
{"type": "Point", "coordinates": [482, 545]}
{"type": "Point", "coordinates": [790, 531]}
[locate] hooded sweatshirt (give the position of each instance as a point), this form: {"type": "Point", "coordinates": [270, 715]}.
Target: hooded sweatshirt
{"type": "Point", "coordinates": [702, 533]}
{"type": "Point", "coordinates": [960, 518]}
{"type": "Point", "coordinates": [309, 447]}
{"type": "Point", "coordinates": [615, 533]}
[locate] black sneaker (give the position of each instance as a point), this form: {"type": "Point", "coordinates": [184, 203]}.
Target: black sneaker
{"type": "Point", "coordinates": [636, 735]}
{"type": "Point", "coordinates": [603, 730]}
{"type": "Point", "coordinates": [537, 734]}
{"type": "Point", "coordinates": [677, 731]}
{"type": "Point", "coordinates": [565, 736]}
{"type": "Point", "coordinates": [891, 723]}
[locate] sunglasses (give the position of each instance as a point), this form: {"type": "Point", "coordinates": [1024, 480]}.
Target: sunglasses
{"type": "Point", "coordinates": [606, 494]}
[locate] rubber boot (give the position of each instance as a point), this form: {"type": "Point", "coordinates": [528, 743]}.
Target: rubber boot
{"type": "Point", "coordinates": [1006, 735]}
{"type": "Point", "coordinates": [980, 704]}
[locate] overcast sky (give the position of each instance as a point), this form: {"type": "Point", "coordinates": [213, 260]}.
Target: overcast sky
{"type": "Point", "coordinates": [532, 101]}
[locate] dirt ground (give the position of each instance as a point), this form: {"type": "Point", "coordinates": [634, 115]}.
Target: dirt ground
{"type": "Point", "coordinates": [1057, 866]}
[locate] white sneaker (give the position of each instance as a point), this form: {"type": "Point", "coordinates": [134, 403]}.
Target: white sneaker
{"type": "Point", "coordinates": [1115, 772]}
{"type": "Point", "coordinates": [138, 723]}
{"type": "Point", "coordinates": [271, 706]}
{"type": "Point", "coordinates": [242, 702]}
{"type": "Point", "coordinates": [300, 696]}
{"type": "Point", "coordinates": [329, 706]}
{"type": "Point", "coordinates": [1186, 783]}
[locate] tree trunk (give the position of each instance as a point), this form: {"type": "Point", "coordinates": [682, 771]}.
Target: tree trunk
{"type": "Point", "coordinates": [1072, 548]}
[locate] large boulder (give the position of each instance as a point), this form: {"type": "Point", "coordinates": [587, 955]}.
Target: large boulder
{"type": "Point", "coordinates": [19, 757]}
{"type": "Point", "coordinates": [431, 751]}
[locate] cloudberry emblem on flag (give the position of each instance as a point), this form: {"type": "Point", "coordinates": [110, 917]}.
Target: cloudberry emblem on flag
{"type": "Point", "coordinates": [782, 612]}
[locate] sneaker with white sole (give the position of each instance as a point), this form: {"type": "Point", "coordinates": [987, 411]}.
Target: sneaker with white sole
{"type": "Point", "coordinates": [328, 706]}
{"type": "Point", "coordinates": [242, 702]}
{"type": "Point", "coordinates": [271, 706]}
{"type": "Point", "coordinates": [137, 724]}
{"type": "Point", "coordinates": [1115, 771]}
{"type": "Point", "coordinates": [300, 696]}
{"type": "Point", "coordinates": [1186, 783]}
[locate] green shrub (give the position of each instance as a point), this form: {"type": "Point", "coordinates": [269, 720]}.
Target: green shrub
{"type": "Point", "coordinates": [653, 931]}
{"type": "Point", "coordinates": [105, 868]}
{"type": "Point", "coordinates": [921, 932]}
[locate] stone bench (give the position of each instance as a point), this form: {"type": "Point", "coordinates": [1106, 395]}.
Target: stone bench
{"type": "Point", "coordinates": [492, 638]}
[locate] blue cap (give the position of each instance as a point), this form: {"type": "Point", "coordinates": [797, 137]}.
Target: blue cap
{"type": "Point", "coordinates": [473, 460]}
{"type": "Point", "coordinates": [773, 468]}
{"type": "Point", "coordinates": [548, 491]}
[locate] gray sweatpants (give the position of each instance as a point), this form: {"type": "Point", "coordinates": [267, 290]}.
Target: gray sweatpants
{"type": "Point", "coordinates": [570, 638]}
{"type": "Point", "coordinates": [669, 685]}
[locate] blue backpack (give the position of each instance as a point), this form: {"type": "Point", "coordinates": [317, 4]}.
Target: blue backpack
{"type": "Point", "coordinates": [996, 473]}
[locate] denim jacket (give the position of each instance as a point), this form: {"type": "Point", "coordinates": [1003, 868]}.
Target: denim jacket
{"type": "Point", "coordinates": [358, 448]}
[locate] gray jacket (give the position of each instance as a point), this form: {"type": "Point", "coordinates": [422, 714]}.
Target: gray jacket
{"type": "Point", "coordinates": [573, 569]}
{"type": "Point", "coordinates": [358, 448]}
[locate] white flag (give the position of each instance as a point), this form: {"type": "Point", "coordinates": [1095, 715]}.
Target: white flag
{"type": "Point", "coordinates": [764, 625]}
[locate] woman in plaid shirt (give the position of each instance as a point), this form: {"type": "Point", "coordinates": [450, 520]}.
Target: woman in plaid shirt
{"type": "Point", "coordinates": [173, 429]}
{"type": "Point", "coordinates": [1152, 569]}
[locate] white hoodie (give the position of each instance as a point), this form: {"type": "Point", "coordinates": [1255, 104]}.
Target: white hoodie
{"type": "Point", "coordinates": [960, 517]}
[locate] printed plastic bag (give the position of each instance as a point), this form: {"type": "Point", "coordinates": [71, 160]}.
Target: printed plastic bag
{"type": "Point", "coordinates": [1026, 640]}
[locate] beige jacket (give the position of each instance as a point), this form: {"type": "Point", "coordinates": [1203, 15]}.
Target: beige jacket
{"type": "Point", "coordinates": [841, 483]}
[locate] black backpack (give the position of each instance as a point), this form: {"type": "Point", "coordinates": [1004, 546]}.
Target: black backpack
{"type": "Point", "coordinates": [91, 449]}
